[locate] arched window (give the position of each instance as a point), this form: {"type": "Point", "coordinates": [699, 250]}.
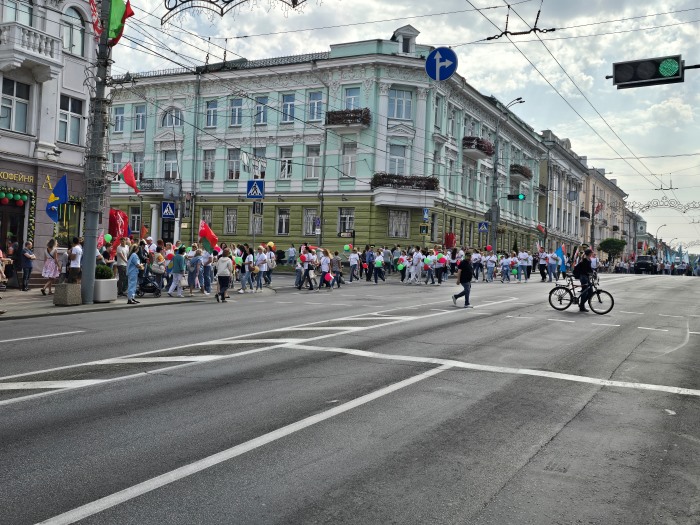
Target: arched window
{"type": "Point", "coordinates": [172, 118]}
{"type": "Point", "coordinates": [73, 32]}
{"type": "Point", "coordinates": [13, 11]}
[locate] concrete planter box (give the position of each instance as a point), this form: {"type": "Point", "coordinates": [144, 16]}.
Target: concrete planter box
{"type": "Point", "coordinates": [105, 290]}
{"type": "Point", "coordinates": [67, 294]}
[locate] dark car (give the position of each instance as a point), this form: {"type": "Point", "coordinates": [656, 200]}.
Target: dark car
{"type": "Point", "coordinates": [645, 264]}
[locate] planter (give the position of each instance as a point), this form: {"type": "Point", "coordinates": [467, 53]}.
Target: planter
{"type": "Point", "coordinates": [105, 290]}
{"type": "Point", "coordinates": [67, 294]}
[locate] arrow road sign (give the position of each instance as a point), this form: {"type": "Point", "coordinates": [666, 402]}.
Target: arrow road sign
{"type": "Point", "coordinates": [256, 189]}
{"type": "Point", "coordinates": [441, 63]}
{"type": "Point", "coordinates": [483, 227]}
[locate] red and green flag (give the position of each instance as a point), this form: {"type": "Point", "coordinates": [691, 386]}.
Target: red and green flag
{"type": "Point", "coordinates": [208, 238]}
{"type": "Point", "coordinates": [118, 14]}
{"type": "Point", "coordinates": [127, 175]}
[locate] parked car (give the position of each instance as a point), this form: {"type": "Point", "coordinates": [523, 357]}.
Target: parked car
{"type": "Point", "coordinates": [645, 264]}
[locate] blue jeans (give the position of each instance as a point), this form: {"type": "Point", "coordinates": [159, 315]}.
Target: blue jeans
{"type": "Point", "coordinates": [552, 270]}
{"type": "Point", "coordinates": [378, 273]}
{"type": "Point", "coordinates": [505, 273]}
{"type": "Point", "coordinates": [297, 277]}
{"type": "Point", "coordinates": [429, 276]}
{"type": "Point", "coordinates": [247, 279]}
{"type": "Point", "coordinates": [489, 273]}
{"type": "Point", "coordinates": [258, 281]}
{"type": "Point", "coordinates": [522, 270]}
{"type": "Point", "coordinates": [207, 279]}
{"type": "Point", "coordinates": [353, 270]}
{"type": "Point", "coordinates": [465, 293]}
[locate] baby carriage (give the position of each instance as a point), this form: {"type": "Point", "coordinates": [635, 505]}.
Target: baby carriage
{"type": "Point", "coordinates": [148, 285]}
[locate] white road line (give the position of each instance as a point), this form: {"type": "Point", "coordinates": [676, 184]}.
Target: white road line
{"type": "Point", "coordinates": [654, 329]}
{"type": "Point", "coordinates": [519, 317]}
{"type": "Point", "coordinates": [666, 315]}
{"type": "Point", "coordinates": [285, 302]}
{"type": "Point", "coordinates": [561, 321]}
{"type": "Point", "coordinates": [604, 324]}
{"type": "Point", "coordinates": [634, 313]}
{"type": "Point", "coordinates": [694, 333]}
{"type": "Point", "coordinates": [41, 336]}
{"type": "Point", "coordinates": [35, 385]}
{"type": "Point", "coordinates": [97, 506]}
{"type": "Point", "coordinates": [167, 359]}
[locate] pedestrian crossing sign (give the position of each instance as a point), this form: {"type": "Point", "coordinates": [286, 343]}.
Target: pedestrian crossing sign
{"type": "Point", "coordinates": [167, 210]}
{"type": "Point", "coordinates": [483, 227]}
{"type": "Point", "coordinates": [256, 189]}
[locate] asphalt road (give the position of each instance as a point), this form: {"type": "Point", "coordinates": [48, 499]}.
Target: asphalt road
{"type": "Point", "coordinates": [368, 404]}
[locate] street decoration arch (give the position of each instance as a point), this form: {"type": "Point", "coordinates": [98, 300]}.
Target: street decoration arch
{"type": "Point", "coordinates": [663, 202]}
{"type": "Point", "coordinates": [221, 7]}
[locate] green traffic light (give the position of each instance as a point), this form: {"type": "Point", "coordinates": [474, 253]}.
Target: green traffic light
{"type": "Point", "coordinates": [521, 197]}
{"type": "Point", "coordinates": [669, 67]}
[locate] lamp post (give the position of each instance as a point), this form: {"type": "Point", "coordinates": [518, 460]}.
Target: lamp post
{"type": "Point", "coordinates": [494, 197]}
{"type": "Point", "coordinates": [657, 240]}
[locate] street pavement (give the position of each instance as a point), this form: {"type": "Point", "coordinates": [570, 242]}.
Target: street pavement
{"type": "Point", "coordinates": [368, 404]}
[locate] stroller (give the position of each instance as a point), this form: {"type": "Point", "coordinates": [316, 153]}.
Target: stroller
{"type": "Point", "coordinates": [148, 285]}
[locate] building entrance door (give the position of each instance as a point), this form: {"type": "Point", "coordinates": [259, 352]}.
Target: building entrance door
{"type": "Point", "coordinates": [168, 230]}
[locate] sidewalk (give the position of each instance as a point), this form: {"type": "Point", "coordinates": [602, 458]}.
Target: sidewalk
{"type": "Point", "coordinates": [25, 305]}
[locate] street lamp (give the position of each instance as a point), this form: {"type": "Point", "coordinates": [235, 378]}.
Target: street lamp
{"type": "Point", "coordinates": [657, 240]}
{"type": "Point", "coordinates": [494, 197]}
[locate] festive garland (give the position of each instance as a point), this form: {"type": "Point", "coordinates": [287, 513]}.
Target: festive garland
{"type": "Point", "coordinates": [30, 194]}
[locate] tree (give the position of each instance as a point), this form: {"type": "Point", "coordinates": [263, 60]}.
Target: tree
{"type": "Point", "coordinates": [613, 247]}
{"type": "Point", "coordinates": [515, 246]}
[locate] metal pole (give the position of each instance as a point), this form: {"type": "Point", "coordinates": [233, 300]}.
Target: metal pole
{"type": "Point", "coordinates": [546, 205]}
{"type": "Point", "coordinates": [494, 190]}
{"type": "Point", "coordinates": [95, 183]}
{"type": "Point", "coordinates": [592, 216]}
{"type": "Point", "coordinates": [194, 153]}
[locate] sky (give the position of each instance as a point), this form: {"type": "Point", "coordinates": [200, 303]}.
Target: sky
{"type": "Point", "coordinates": [646, 138]}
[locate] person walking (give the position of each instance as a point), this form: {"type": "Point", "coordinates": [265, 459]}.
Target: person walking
{"type": "Point", "coordinates": [464, 279]}
{"type": "Point", "coordinates": [134, 267]}
{"type": "Point", "coordinates": [325, 270]}
{"type": "Point", "coordinates": [75, 257]}
{"type": "Point", "coordinates": [178, 273]}
{"type": "Point", "coordinates": [476, 264]}
{"type": "Point", "coordinates": [490, 260]}
{"type": "Point", "coordinates": [429, 262]}
{"type": "Point", "coordinates": [553, 262]}
{"type": "Point", "coordinates": [122, 258]}
{"type": "Point", "coordinates": [542, 259]}
{"type": "Point", "coordinates": [207, 262]}
{"type": "Point", "coordinates": [271, 265]}
{"type": "Point", "coordinates": [224, 271]}
{"type": "Point", "coordinates": [354, 261]}
{"type": "Point", "coordinates": [51, 269]}
{"type": "Point", "coordinates": [522, 265]}
{"type": "Point", "coordinates": [194, 265]}
{"type": "Point", "coordinates": [28, 258]}
{"type": "Point", "coordinates": [505, 268]}
{"type": "Point", "coordinates": [247, 270]}
{"type": "Point", "coordinates": [337, 269]}
{"type": "Point", "coordinates": [379, 265]}
{"type": "Point", "coordinates": [370, 257]}
{"type": "Point", "coordinates": [261, 264]}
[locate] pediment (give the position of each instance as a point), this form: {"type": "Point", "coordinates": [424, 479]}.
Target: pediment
{"type": "Point", "coordinates": [169, 135]}
{"type": "Point", "coordinates": [401, 130]}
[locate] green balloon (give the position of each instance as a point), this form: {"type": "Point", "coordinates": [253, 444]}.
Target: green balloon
{"type": "Point", "coordinates": [378, 264]}
{"type": "Point", "coordinates": [514, 272]}
{"type": "Point", "coordinates": [10, 196]}
{"type": "Point", "coordinates": [239, 260]}
{"type": "Point", "coordinates": [188, 249]}
{"type": "Point", "coordinates": [25, 198]}
{"type": "Point", "coordinates": [346, 247]}
{"type": "Point", "coordinates": [2, 194]}
{"type": "Point", "coordinates": [400, 267]}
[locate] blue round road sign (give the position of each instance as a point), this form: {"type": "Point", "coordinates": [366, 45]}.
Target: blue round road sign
{"type": "Point", "coordinates": [441, 63]}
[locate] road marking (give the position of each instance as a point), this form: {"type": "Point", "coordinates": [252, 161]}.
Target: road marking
{"type": "Point", "coordinates": [102, 504]}
{"type": "Point", "coordinates": [666, 315]}
{"type": "Point", "coordinates": [654, 329]}
{"type": "Point", "coordinates": [633, 313]}
{"type": "Point", "coordinates": [604, 324]}
{"type": "Point", "coordinates": [285, 302]}
{"type": "Point", "coordinates": [670, 412]}
{"type": "Point", "coordinates": [694, 333]}
{"type": "Point", "coordinates": [41, 336]}
{"type": "Point", "coordinates": [561, 320]}
{"type": "Point", "coordinates": [167, 359]}
{"type": "Point", "coordinates": [35, 385]}
{"type": "Point", "coordinates": [519, 317]}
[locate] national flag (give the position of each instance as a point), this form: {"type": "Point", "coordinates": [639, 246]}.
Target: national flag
{"type": "Point", "coordinates": [118, 227]}
{"type": "Point", "coordinates": [58, 196]}
{"type": "Point", "coordinates": [101, 240]}
{"type": "Point", "coordinates": [127, 175]}
{"type": "Point", "coordinates": [118, 14]}
{"type": "Point", "coordinates": [209, 240]}
{"type": "Point", "coordinates": [144, 232]}
{"type": "Point", "coordinates": [598, 208]}
{"type": "Point", "coordinates": [541, 228]}
{"type": "Point", "coordinates": [562, 258]}
{"type": "Point", "coordinates": [96, 25]}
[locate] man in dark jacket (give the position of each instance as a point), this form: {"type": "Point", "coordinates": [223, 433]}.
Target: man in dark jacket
{"type": "Point", "coordinates": [584, 270]}
{"type": "Point", "coordinates": [464, 278]}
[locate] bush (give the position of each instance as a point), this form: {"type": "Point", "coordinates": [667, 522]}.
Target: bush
{"type": "Point", "coordinates": [103, 271]}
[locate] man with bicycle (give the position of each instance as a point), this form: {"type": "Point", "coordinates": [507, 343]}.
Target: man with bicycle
{"type": "Point", "coordinates": [583, 272]}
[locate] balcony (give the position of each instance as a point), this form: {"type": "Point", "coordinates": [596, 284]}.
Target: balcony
{"type": "Point", "coordinates": [585, 216]}
{"type": "Point", "coordinates": [477, 148]}
{"type": "Point", "coordinates": [520, 173]}
{"type": "Point", "coordinates": [27, 48]}
{"type": "Point", "coordinates": [413, 182]}
{"type": "Point", "coordinates": [410, 191]}
{"type": "Point", "coordinates": [349, 119]}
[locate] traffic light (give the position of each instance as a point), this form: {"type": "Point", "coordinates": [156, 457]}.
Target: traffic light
{"type": "Point", "coordinates": [648, 72]}
{"type": "Point", "coordinates": [516, 197]}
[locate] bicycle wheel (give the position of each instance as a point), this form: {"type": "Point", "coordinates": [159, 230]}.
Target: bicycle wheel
{"type": "Point", "coordinates": [601, 302]}
{"type": "Point", "coordinates": [560, 298]}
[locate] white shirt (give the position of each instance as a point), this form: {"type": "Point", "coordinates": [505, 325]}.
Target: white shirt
{"type": "Point", "coordinates": [505, 262]}
{"type": "Point", "coordinates": [490, 261]}
{"type": "Point", "coordinates": [122, 251]}
{"type": "Point", "coordinates": [417, 259]}
{"type": "Point", "coordinates": [529, 260]}
{"type": "Point", "coordinates": [354, 259]}
{"type": "Point", "coordinates": [292, 252]}
{"type": "Point", "coordinates": [380, 259]}
{"type": "Point", "coordinates": [553, 258]}
{"type": "Point", "coordinates": [261, 262]}
{"type": "Point", "coordinates": [77, 250]}
{"type": "Point", "coordinates": [206, 258]}
{"type": "Point", "coordinates": [543, 257]}
{"type": "Point", "coordinates": [152, 247]}
{"type": "Point", "coordinates": [522, 258]}
{"type": "Point", "coordinates": [594, 262]}
{"type": "Point", "coordinates": [476, 258]}
{"type": "Point", "coordinates": [325, 264]}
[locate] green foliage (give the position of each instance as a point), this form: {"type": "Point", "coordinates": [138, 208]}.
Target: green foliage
{"type": "Point", "coordinates": [103, 271]}
{"type": "Point", "coordinates": [515, 246]}
{"type": "Point", "coordinates": [613, 247]}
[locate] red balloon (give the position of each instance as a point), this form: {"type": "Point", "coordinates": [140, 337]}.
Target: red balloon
{"type": "Point", "coordinates": [4, 200]}
{"type": "Point", "coordinates": [442, 260]}
{"type": "Point", "coordinates": [19, 203]}
{"type": "Point", "coordinates": [365, 265]}
{"type": "Point", "coordinates": [489, 248]}
{"type": "Point", "coordinates": [350, 246]}
{"type": "Point", "coordinates": [328, 277]}
{"type": "Point", "coordinates": [302, 258]}
{"type": "Point", "coordinates": [426, 267]}
{"type": "Point", "coordinates": [169, 257]}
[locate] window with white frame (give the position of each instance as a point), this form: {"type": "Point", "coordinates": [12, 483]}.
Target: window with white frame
{"type": "Point", "coordinates": [261, 110]}
{"type": "Point", "coordinates": [208, 164]}
{"type": "Point", "coordinates": [15, 106]}
{"type": "Point", "coordinates": [282, 221]}
{"type": "Point", "coordinates": [172, 118]}
{"type": "Point", "coordinates": [118, 117]}
{"type": "Point", "coordinates": [398, 223]}
{"type": "Point", "coordinates": [230, 221]}
{"type": "Point", "coordinates": [212, 108]}
{"type": "Point", "coordinates": [437, 116]}
{"type": "Point", "coordinates": [397, 159]}
{"type": "Point", "coordinates": [234, 164]}
{"type": "Point", "coordinates": [236, 107]}
{"type": "Point", "coordinates": [308, 221]}
{"type": "Point", "coordinates": [400, 104]}
{"type": "Point", "coordinates": [288, 108]}
{"type": "Point", "coordinates": [170, 170]}
{"type": "Point", "coordinates": [346, 219]}
{"type": "Point", "coordinates": [73, 32]}
{"type": "Point", "coordinates": [13, 11]}
{"type": "Point", "coordinates": [206, 215]}
{"type": "Point", "coordinates": [138, 164]}
{"type": "Point", "coordinates": [135, 218]}
{"type": "Point", "coordinates": [451, 123]}
{"type": "Point", "coordinates": [70, 120]}
{"type": "Point", "coordinates": [451, 175]}
{"type": "Point", "coordinates": [315, 105]}
{"type": "Point", "coordinates": [256, 223]}
{"type": "Point", "coordinates": [313, 161]}
{"type": "Point", "coordinates": [350, 159]}
{"type": "Point", "coordinates": [259, 162]}
{"type": "Point", "coordinates": [285, 162]}
{"type": "Point", "coordinates": [140, 117]}
{"type": "Point", "coordinates": [116, 161]}
{"type": "Point", "coordinates": [352, 98]}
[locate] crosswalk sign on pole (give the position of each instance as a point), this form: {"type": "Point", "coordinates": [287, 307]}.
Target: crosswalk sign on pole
{"type": "Point", "coordinates": [483, 227]}
{"type": "Point", "coordinates": [256, 189]}
{"type": "Point", "coordinates": [167, 210]}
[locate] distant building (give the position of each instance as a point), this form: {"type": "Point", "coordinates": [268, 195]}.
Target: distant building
{"type": "Point", "coordinates": [605, 201]}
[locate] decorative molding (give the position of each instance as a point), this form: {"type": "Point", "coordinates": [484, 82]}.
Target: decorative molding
{"type": "Point", "coordinates": [423, 93]}
{"type": "Point", "coordinates": [384, 88]}
{"type": "Point", "coordinates": [367, 85]}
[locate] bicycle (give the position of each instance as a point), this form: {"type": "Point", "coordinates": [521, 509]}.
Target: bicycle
{"type": "Point", "coordinates": [561, 297]}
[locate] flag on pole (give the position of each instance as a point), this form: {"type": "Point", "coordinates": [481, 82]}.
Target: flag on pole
{"type": "Point", "coordinates": [127, 174]}
{"type": "Point", "coordinates": [118, 14]}
{"type": "Point", "coordinates": [144, 232]}
{"type": "Point", "coordinates": [209, 239]}
{"type": "Point", "coordinates": [118, 227]}
{"type": "Point", "coordinates": [562, 258]}
{"type": "Point", "coordinates": [58, 196]}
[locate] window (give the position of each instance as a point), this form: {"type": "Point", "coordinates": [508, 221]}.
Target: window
{"type": "Point", "coordinates": [206, 215]}
{"type": "Point", "coordinates": [138, 165]}
{"type": "Point", "coordinates": [172, 118]}
{"type": "Point", "coordinates": [451, 175]}
{"type": "Point", "coordinates": [73, 32]}
{"type": "Point", "coordinates": [399, 104]}
{"type": "Point", "coordinates": [70, 119]}
{"type": "Point", "coordinates": [350, 159]}
{"type": "Point", "coordinates": [316, 105]}
{"type": "Point", "coordinates": [261, 110]}
{"type": "Point", "coordinates": [282, 221]}
{"type": "Point", "coordinates": [309, 221]}
{"type": "Point", "coordinates": [209, 164]}
{"type": "Point", "coordinates": [260, 162]}
{"type": "Point", "coordinates": [346, 219]}
{"type": "Point", "coordinates": [236, 105]}
{"type": "Point", "coordinates": [234, 164]}
{"type": "Point", "coordinates": [405, 45]}
{"type": "Point", "coordinates": [352, 98]}
{"type": "Point", "coordinates": [17, 12]}
{"type": "Point", "coordinates": [140, 117]}
{"type": "Point", "coordinates": [313, 161]}
{"type": "Point", "coordinates": [15, 105]}
{"type": "Point", "coordinates": [212, 110]}
{"type": "Point", "coordinates": [170, 164]}
{"type": "Point", "coordinates": [288, 108]}
{"type": "Point", "coordinates": [116, 162]}
{"type": "Point", "coordinates": [397, 160]}
{"type": "Point", "coordinates": [135, 218]}
{"type": "Point", "coordinates": [286, 162]}
{"type": "Point", "coordinates": [437, 116]}
{"type": "Point", "coordinates": [230, 221]}
{"type": "Point", "coordinates": [433, 227]}
{"type": "Point", "coordinates": [118, 117]}
{"type": "Point", "coordinates": [451, 123]}
{"type": "Point", "coordinates": [256, 223]}
{"type": "Point", "coordinates": [398, 223]}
